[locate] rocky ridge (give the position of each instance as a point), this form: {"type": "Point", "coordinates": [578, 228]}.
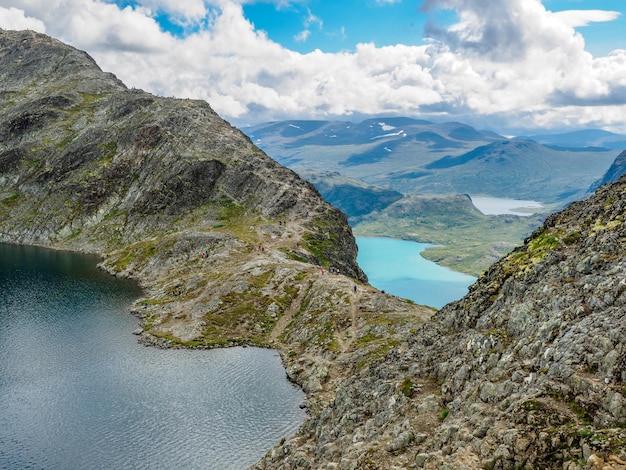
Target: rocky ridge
{"type": "Point", "coordinates": [527, 371]}
{"type": "Point", "coordinates": [153, 184]}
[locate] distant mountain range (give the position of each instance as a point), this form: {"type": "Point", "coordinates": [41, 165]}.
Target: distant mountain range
{"type": "Point", "coordinates": [582, 139]}
{"type": "Point", "coordinates": [421, 157]}
{"type": "Point", "coordinates": [401, 177]}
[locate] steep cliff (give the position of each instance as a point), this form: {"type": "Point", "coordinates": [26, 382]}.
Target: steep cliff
{"type": "Point", "coordinates": [617, 169]}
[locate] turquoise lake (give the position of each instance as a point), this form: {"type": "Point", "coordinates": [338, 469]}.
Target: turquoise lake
{"type": "Point", "coordinates": [396, 267]}
{"type": "Point", "coordinates": [77, 391]}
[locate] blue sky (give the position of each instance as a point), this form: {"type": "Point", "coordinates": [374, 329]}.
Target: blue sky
{"type": "Point", "coordinates": [336, 26]}
{"type": "Point", "coordinates": [333, 26]}
{"type": "Point", "coordinates": [601, 38]}
{"type": "Point", "coordinates": [507, 65]}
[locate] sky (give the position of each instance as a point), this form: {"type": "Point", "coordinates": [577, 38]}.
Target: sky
{"type": "Point", "coordinates": [505, 65]}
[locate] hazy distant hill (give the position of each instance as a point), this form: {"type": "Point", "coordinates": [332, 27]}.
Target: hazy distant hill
{"type": "Point", "coordinates": [352, 196]}
{"type": "Point", "coordinates": [595, 138]}
{"type": "Point", "coordinates": [422, 157]}
{"type": "Point", "coordinates": [519, 169]}
{"type": "Point", "coordinates": [369, 150]}
{"type": "Point", "coordinates": [617, 169]}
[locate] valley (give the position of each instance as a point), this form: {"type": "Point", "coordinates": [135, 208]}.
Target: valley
{"type": "Point", "coordinates": [415, 179]}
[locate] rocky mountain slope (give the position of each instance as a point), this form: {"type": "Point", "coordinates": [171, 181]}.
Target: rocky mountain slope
{"type": "Point", "coordinates": [527, 371]}
{"type": "Point", "coordinates": [87, 164]}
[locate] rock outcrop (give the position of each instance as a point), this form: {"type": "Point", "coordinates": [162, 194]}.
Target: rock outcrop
{"type": "Point", "coordinates": [526, 371]}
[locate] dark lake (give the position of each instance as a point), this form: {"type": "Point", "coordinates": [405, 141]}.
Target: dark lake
{"type": "Point", "coordinates": [77, 391]}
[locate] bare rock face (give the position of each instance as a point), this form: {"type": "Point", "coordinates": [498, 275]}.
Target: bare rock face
{"type": "Point", "coordinates": [617, 169]}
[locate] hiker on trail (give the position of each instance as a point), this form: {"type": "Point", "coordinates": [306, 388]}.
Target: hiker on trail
{"type": "Point", "coordinates": [355, 288]}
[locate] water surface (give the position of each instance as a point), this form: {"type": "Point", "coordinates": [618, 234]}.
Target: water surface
{"type": "Point", "coordinates": [77, 390]}
{"type": "Point", "coordinates": [397, 267]}
{"type": "Point", "coordinates": [499, 206]}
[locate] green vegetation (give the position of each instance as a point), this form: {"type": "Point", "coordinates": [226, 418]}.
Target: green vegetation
{"type": "Point", "coordinates": [544, 243]}
{"type": "Point", "coordinates": [10, 199]}
{"type": "Point", "coordinates": [368, 337]}
{"type": "Point", "coordinates": [229, 210]}
{"type": "Point", "coordinates": [75, 234]}
{"type": "Point", "coordinates": [406, 387]}
{"type": "Point", "coordinates": [377, 350]}
{"type": "Point", "coordinates": [138, 253]}
{"type": "Point", "coordinates": [322, 241]}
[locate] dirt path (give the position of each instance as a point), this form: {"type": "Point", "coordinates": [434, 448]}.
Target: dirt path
{"type": "Point", "coordinates": [283, 321]}
{"type": "Point", "coordinates": [345, 341]}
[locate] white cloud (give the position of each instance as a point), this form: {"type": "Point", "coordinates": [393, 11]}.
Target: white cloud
{"type": "Point", "coordinates": [577, 18]}
{"type": "Point", "coordinates": [100, 26]}
{"type": "Point", "coordinates": [302, 36]}
{"type": "Point", "coordinates": [193, 10]}
{"type": "Point", "coordinates": [13, 18]}
{"type": "Point", "coordinates": [510, 61]}
{"type": "Point", "coordinates": [311, 19]}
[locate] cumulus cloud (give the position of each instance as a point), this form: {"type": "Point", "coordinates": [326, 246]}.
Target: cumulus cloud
{"type": "Point", "coordinates": [13, 18]}
{"type": "Point", "coordinates": [506, 61]}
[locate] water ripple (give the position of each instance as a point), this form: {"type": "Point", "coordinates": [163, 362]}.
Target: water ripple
{"type": "Point", "coordinates": [77, 391]}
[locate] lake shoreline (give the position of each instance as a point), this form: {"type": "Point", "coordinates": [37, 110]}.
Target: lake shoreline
{"type": "Point", "coordinates": [328, 335]}
{"type": "Point", "coordinates": [398, 267]}
{"type": "Point", "coordinates": [100, 346]}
